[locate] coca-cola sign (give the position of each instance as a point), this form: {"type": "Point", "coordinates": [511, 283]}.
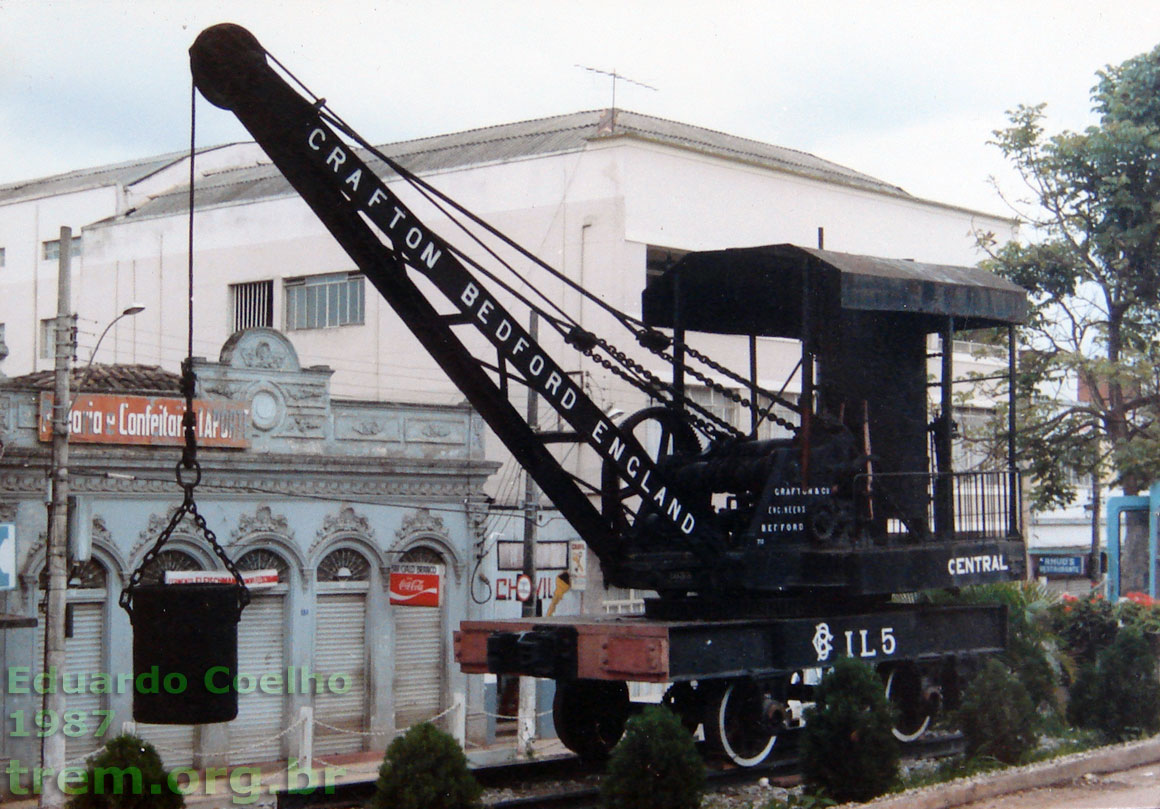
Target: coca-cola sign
{"type": "Point", "coordinates": [415, 585]}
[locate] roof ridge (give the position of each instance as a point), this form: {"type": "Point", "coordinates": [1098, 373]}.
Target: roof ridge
{"type": "Point", "coordinates": [506, 125]}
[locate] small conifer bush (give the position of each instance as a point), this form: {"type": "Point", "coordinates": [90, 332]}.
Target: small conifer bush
{"type": "Point", "coordinates": [1083, 698]}
{"type": "Point", "coordinates": [425, 768]}
{"type": "Point", "coordinates": [127, 774]}
{"type": "Point", "coordinates": [997, 716]}
{"type": "Point", "coordinates": [848, 748]}
{"type": "Point", "coordinates": [655, 765]}
{"type": "Point", "coordinates": [1120, 696]}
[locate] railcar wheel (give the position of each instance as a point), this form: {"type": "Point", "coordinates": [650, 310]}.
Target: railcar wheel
{"type": "Point", "coordinates": [905, 691]}
{"type": "Point", "coordinates": [589, 716]}
{"type": "Point", "coordinates": [618, 501]}
{"type": "Point", "coordinates": [743, 721]}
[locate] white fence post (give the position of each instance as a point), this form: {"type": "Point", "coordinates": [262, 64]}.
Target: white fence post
{"type": "Point", "coordinates": [306, 739]}
{"type": "Point", "coordinates": [459, 718]}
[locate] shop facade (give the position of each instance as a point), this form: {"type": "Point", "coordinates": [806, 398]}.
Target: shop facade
{"type": "Point", "coordinates": [337, 499]}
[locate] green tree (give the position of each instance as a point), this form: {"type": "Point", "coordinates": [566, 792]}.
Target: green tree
{"type": "Point", "coordinates": [654, 766]}
{"type": "Point", "coordinates": [848, 748]}
{"type": "Point", "coordinates": [1093, 268]}
{"type": "Point", "coordinates": [1120, 695]}
{"type": "Point", "coordinates": [997, 716]}
{"type": "Point", "coordinates": [425, 769]}
{"type": "Point", "coordinates": [127, 774]}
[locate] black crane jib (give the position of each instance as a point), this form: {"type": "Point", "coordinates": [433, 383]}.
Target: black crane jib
{"type": "Point", "coordinates": [230, 69]}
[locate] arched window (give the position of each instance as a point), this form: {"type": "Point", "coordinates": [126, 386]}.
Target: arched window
{"type": "Point", "coordinates": [344, 564]}
{"type": "Point", "coordinates": [90, 575]}
{"type": "Point", "coordinates": [422, 555]}
{"type": "Point", "coordinates": [154, 572]}
{"type": "Point", "coordinates": [262, 559]}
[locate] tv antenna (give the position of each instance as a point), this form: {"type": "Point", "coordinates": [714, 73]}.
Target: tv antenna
{"type": "Point", "coordinates": [615, 78]}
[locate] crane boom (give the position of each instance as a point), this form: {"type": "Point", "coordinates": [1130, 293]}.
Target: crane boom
{"type": "Point", "coordinates": [230, 69]}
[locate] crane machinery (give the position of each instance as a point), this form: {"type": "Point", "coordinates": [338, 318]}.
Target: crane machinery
{"type": "Point", "coordinates": [768, 557]}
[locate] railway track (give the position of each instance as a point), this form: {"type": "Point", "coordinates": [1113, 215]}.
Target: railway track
{"type": "Point", "coordinates": [568, 783]}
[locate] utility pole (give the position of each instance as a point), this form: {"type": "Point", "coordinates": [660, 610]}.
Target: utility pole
{"type": "Point", "coordinates": [526, 722]}
{"type": "Point", "coordinates": [53, 745]}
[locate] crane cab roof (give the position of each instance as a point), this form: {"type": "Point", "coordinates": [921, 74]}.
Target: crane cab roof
{"type": "Point", "coordinates": [759, 290]}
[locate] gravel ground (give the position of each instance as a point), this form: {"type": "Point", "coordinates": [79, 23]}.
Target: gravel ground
{"type": "Point", "coordinates": [754, 796]}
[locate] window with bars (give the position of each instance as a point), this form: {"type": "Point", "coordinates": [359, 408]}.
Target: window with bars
{"type": "Point", "coordinates": [321, 301]}
{"type": "Point", "coordinates": [52, 249]}
{"type": "Point", "coordinates": [253, 305]}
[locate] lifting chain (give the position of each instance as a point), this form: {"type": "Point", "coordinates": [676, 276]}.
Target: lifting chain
{"type": "Point", "coordinates": [188, 465]}
{"type": "Point", "coordinates": [658, 347]}
{"type": "Point", "coordinates": [731, 393]}
{"type": "Point", "coordinates": [712, 426]}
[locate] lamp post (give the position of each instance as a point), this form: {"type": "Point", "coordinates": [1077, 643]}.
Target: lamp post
{"type": "Point", "coordinates": [129, 311]}
{"type": "Point", "coordinates": [53, 745]}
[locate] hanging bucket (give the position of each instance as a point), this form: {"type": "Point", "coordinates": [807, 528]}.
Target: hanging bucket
{"type": "Point", "coordinates": [185, 652]}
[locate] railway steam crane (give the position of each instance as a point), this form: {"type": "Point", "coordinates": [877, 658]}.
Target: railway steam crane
{"type": "Point", "coordinates": [769, 558]}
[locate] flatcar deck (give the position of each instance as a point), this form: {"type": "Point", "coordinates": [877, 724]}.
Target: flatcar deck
{"type": "Point", "coordinates": [643, 650]}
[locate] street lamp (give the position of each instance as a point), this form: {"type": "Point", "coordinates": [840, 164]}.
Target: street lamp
{"type": "Point", "coordinates": [128, 311]}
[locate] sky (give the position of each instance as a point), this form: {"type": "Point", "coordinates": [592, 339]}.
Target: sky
{"type": "Point", "coordinates": [909, 92]}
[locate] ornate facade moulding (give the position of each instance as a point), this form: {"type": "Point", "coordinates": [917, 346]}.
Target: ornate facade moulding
{"type": "Point", "coordinates": [186, 537]}
{"type": "Point", "coordinates": [31, 482]}
{"type": "Point", "coordinates": [266, 528]}
{"type": "Point", "coordinates": [263, 521]}
{"type": "Point", "coordinates": [345, 523]}
{"type": "Point", "coordinates": [421, 521]}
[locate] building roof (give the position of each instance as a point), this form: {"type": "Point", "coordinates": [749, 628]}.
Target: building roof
{"type": "Point", "coordinates": [122, 174]}
{"type": "Point", "coordinates": [148, 379]}
{"type": "Point", "coordinates": [543, 136]}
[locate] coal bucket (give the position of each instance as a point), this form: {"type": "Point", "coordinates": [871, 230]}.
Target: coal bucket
{"type": "Point", "coordinates": [185, 652]}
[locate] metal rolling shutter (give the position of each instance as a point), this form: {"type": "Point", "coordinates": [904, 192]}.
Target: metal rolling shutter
{"type": "Point", "coordinates": [340, 649]}
{"type": "Point", "coordinates": [261, 715]}
{"type": "Point", "coordinates": [174, 743]}
{"type": "Point", "coordinates": [419, 674]}
{"type": "Point", "coordinates": [83, 659]}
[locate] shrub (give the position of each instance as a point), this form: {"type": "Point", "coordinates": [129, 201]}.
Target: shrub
{"type": "Point", "coordinates": [654, 766]}
{"type": "Point", "coordinates": [1120, 696]}
{"type": "Point", "coordinates": [1084, 699]}
{"type": "Point", "coordinates": [1029, 662]}
{"type": "Point", "coordinates": [131, 777]}
{"type": "Point", "coordinates": [1033, 615]}
{"type": "Point", "coordinates": [848, 748]}
{"type": "Point", "coordinates": [1085, 626]}
{"type": "Point", "coordinates": [1139, 609]}
{"type": "Point", "coordinates": [997, 717]}
{"type": "Point", "coordinates": [425, 769]}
